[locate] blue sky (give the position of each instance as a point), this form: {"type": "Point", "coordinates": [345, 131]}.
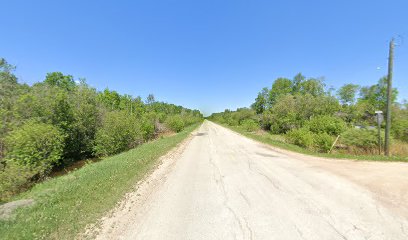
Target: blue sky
{"type": "Point", "coordinates": [209, 55]}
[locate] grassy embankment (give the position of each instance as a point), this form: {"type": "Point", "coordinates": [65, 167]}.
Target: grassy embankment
{"type": "Point", "coordinates": [278, 141]}
{"type": "Point", "coordinates": [65, 205]}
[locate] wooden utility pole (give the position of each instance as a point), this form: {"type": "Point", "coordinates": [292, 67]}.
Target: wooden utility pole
{"type": "Point", "coordinates": [389, 98]}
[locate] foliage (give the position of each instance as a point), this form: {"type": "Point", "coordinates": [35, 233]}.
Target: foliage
{"type": "Point", "coordinates": [60, 80]}
{"type": "Point", "coordinates": [308, 114]}
{"type": "Point", "coordinates": [398, 148]}
{"type": "Point", "coordinates": [36, 145]}
{"type": "Point", "coordinates": [119, 132]}
{"type": "Point", "coordinates": [147, 129]}
{"type": "Point", "coordinates": [326, 124]}
{"type": "Point", "coordinates": [175, 123]}
{"type": "Point", "coordinates": [80, 121]}
{"type": "Point", "coordinates": [250, 125]}
{"type": "Point", "coordinates": [301, 137]}
{"type": "Point", "coordinates": [261, 101]}
{"type": "Point", "coordinates": [376, 94]}
{"type": "Point", "coordinates": [323, 142]}
{"type": "Point", "coordinates": [399, 127]}
{"type": "Point", "coordinates": [280, 87]}
{"type": "Point", "coordinates": [14, 178]}
{"type": "Point", "coordinates": [347, 93]}
{"type": "Point", "coordinates": [64, 206]}
{"type": "Point", "coordinates": [362, 138]}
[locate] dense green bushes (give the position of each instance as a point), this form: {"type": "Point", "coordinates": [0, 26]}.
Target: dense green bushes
{"type": "Point", "coordinates": [59, 121]}
{"type": "Point", "coordinates": [308, 115]}
{"type": "Point", "coordinates": [118, 133]}
{"type": "Point", "coordinates": [323, 142]}
{"type": "Point", "coordinates": [250, 125]}
{"type": "Point", "coordinates": [175, 123]}
{"type": "Point", "coordinates": [32, 150]}
{"type": "Point", "coordinates": [326, 124]}
{"type": "Point", "coordinates": [362, 138]}
{"type": "Point", "coordinates": [36, 145]}
{"type": "Point", "coordinates": [301, 137]}
{"type": "Point", "coordinates": [14, 178]}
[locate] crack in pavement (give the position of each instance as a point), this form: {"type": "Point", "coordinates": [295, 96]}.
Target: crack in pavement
{"type": "Point", "coordinates": [245, 198]}
{"type": "Point", "coordinates": [220, 182]}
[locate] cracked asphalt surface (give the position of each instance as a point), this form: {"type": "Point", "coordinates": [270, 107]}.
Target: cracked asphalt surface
{"type": "Point", "coordinates": [225, 186]}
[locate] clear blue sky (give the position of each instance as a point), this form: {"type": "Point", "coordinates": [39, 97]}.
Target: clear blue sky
{"type": "Point", "coordinates": [209, 55]}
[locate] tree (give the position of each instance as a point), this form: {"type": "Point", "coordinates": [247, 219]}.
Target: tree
{"type": "Point", "coordinates": [297, 82]}
{"type": "Point", "coordinates": [60, 80]}
{"type": "Point", "coordinates": [376, 95]}
{"type": "Point", "coordinates": [347, 93]}
{"type": "Point", "coordinates": [261, 101]}
{"type": "Point", "coordinates": [150, 99]}
{"type": "Point", "coordinates": [280, 87]}
{"type": "Point", "coordinates": [111, 99]}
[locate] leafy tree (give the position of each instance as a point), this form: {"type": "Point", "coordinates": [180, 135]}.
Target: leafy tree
{"type": "Point", "coordinates": [280, 87]}
{"type": "Point", "coordinates": [314, 87]}
{"type": "Point", "coordinates": [261, 101]}
{"type": "Point", "coordinates": [60, 80]}
{"type": "Point", "coordinates": [150, 99]}
{"type": "Point", "coordinates": [347, 93]}
{"type": "Point", "coordinates": [376, 95]}
{"type": "Point", "coordinates": [297, 82]}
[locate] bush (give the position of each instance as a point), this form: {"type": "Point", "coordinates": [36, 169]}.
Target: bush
{"type": "Point", "coordinates": [362, 138]}
{"type": "Point", "coordinates": [175, 123]}
{"type": "Point", "coordinates": [323, 142]}
{"type": "Point", "coordinates": [119, 132]}
{"type": "Point", "coordinates": [36, 145]}
{"type": "Point", "coordinates": [399, 129]}
{"type": "Point", "coordinates": [326, 124]}
{"type": "Point", "coordinates": [147, 129]}
{"type": "Point", "coordinates": [14, 178]}
{"type": "Point", "coordinates": [301, 137]}
{"type": "Point", "coordinates": [250, 125]}
{"type": "Point", "coordinates": [232, 121]}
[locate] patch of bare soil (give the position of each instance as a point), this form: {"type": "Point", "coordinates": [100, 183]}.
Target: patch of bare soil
{"type": "Point", "coordinates": [7, 209]}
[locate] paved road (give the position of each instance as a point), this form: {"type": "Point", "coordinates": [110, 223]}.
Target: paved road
{"type": "Point", "coordinates": [225, 186]}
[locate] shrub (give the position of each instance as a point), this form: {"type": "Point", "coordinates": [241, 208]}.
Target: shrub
{"type": "Point", "coordinates": [326, 124]}
{"type": "Point", "coordinates": [323, 142]}
{"type": "Point", "coordinates": [362, 138]}
{"type": "Point", "coordinates": [250, 125]}
{"type": "Point", "coordinates": [232, 121]}
{"type": "Point", "coordinates": [147, 129]}
{"type": "Point", "coordinates": [399, 129]}
{"type": "Point", "coordinates": [301, 137]}
{"type": "Point", "coordinates": [175, 123]}
{"type": "Point", "coordinates": [14, 178]}
{"type": "Point", "coordinates": [119, 132]}
{"type": "Point", "coordinates": [36, 145]}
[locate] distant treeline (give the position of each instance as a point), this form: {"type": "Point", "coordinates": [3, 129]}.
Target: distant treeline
{"type": "Point", "coordinates": [60, 120]}
{"type": "Point", "coordinates": [310, 115]}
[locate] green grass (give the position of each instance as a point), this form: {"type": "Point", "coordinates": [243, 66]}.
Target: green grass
{"type": "Point", "coordinates": [65, 205]}
{"type": "Point", "coordinates": [277, 141]}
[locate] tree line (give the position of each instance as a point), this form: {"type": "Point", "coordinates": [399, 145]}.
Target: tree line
{"type": "Point", "coordinates": [59, 121]}
{"type": "Point", "coordinates": [311, 115]}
